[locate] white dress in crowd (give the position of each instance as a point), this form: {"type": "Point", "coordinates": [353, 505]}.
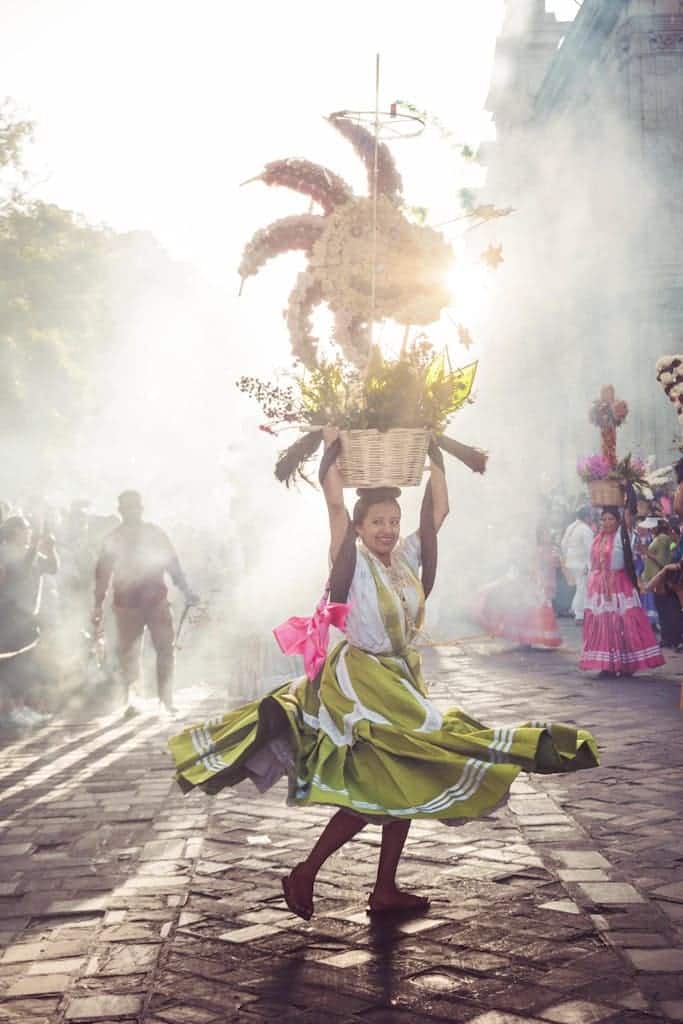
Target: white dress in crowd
{"type": "Point", "coordinates": [576, 556]}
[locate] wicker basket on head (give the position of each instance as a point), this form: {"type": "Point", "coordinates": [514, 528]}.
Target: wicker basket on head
{"type": "Point", "coordinates": [390, 458]}
{"type": "Point", "coordinates": [606, 492]}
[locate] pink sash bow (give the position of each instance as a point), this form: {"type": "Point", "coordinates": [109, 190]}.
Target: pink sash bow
{"type": "Point", "coordinates": [309, 636]}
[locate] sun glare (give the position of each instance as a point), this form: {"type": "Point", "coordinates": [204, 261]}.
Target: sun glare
{"type": "Point", "coordinates": [471, 289]}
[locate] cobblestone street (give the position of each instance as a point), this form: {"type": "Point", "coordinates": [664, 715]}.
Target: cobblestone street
{"type": "Point", "coordinates": [122, 900]}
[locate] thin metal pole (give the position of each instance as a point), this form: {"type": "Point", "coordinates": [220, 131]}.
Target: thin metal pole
{"type": "Point", "coordinates": [375, 174]}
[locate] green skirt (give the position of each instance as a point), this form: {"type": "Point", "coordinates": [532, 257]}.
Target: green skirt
{"type": "Point", "coordinates": [368, 739]}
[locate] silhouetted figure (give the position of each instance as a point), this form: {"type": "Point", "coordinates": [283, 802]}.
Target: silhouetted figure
{"type": "Point", "coordinates": [25, 557]}
{"type": "Point", "coordinates": [136, 556]}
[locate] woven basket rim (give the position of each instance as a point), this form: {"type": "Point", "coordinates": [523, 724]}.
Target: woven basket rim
{"type": "Point", "coordinates": [389, 430]}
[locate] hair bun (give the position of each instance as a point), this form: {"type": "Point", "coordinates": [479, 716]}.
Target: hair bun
{"type": "Point", "coordinates": [368, 496]}
{"type": "Point", "coordinates": [378, 493]}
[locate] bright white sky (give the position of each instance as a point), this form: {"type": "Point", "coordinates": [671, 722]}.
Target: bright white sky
{"type": "Point", "coordinates": [150, 112]}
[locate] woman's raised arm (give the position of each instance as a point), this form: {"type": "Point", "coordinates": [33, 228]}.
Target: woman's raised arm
{"type": "Point", "coordinates": [439, 494]}
{"type": "Point", "coordinates": [334, 496]}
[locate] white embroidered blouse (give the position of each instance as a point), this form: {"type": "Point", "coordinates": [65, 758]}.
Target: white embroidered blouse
{"type": "Point", "coordinates": [364, 625]}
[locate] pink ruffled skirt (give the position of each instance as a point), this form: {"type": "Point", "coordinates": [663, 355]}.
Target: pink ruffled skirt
{"type": "Point", "coordinates": [517, 610]}
{"type": "Point", "coordinates": [617, 636]}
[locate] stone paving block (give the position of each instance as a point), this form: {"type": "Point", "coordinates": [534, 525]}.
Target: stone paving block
{"type": "Point", "coordinates": [577, 1012]}
{"type": "Point", "coordinates": [499, 1017]}
{"type": "Point", "coordinates": [16, 849]}
{"type": "Point", "coordinates": [121, 959]}
{"type": "Point", "coordinates": [580, 858]}
{"type": "Point", "coordinates": [185, 1014]}
{"type": "Point", "coordinates": [441, 982]}
{"type": "Point", "coordinates": [161, 884]}
{"type": "Point", "coordinates": [611, 892]}
{"type": "Point", "coordinates": [102, 1007]}
{"type": "Point", "coordinates": [562, 906]}
{"type": "Point", "coordinates": [12, 889]}
{"type": "Point", "coordinates": [23, 952]}
{"type": "Point", "coordinates": [657, 961]}
{"type": "Point", "coordinates": [36, 1010]}
{"type": "Point", "coordinates": [673, 891]}
{"type": "Point", "coordinates": [163, 849]}
{"type": "Point", "coordinates": [268, 916]}
{"type": "Point", "coordinates": [351, 958]}
{"type": "Point", "coordinates": [129, 933]}
{"type": "Point", "coordinates": [62, 908]}
{"type": "Point", "coordinates": [636, 940]}
{"type": "Point", "coordinates": [420, 924]}
{"type": "Point", "coordinates": [41, 985]}
{"type": "Point", "coordinates": [65, 965]}
{"type": "Point", "coordinates": [582, 875]}
{"type": "Point", "coordinates": [674, 911]}
{"type": "Point", "coordinates": [114, 916]}
{"type": "Point", "coordinates": [249, 934]}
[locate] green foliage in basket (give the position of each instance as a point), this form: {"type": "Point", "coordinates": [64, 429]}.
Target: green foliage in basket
{"type": "Point", "coordinates": [419, 389]}
{"type": "Point", "coordinates": [631, 470]}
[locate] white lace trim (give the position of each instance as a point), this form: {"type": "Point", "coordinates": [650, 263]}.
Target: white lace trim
{"type": "Point", "coordinates": [625, 657]}
{"type": "Point", "coordinates": [598, 604]}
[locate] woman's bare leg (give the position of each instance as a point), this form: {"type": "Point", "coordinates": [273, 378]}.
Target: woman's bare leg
{"type": "Point", "coordinates": [386, 894]}
{"type": "Point", "coordinates": [298, 886]}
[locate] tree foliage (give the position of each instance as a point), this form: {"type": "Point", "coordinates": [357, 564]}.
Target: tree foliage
{"type": "Point", "coordinates": [66, 286]}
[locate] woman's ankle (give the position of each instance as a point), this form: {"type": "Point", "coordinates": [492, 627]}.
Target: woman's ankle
{"type": "Point", "coordinates": [385, 888]}
{"type": "Point", "coordinates": [304, 867]}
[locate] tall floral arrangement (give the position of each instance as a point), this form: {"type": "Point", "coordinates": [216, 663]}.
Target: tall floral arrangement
{"type": "Point", "coordinates": [370, 259]}
{"type": "Point", "coordinates": [607, 413]}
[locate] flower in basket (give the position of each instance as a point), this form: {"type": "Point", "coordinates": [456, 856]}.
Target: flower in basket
{"type": "Point", "coordinates": [631, 470]}
{"type": "Point", "coordinates": [594, 467]}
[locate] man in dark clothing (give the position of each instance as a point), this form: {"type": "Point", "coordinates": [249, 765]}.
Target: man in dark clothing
{"type": "Point", "coordinates": [137, 555]}
{"type": "Point", "coordinates": [24, 559]}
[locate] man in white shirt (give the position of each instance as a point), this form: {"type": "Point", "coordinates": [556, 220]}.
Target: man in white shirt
{"type": "Point", "coordinates": [576, 557]}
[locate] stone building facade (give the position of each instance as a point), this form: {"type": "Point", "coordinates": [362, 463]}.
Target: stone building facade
{"type": "Point", "coordinates": [589, 150]}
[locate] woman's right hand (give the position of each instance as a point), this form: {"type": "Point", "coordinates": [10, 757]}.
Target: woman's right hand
{"type": "Point", "coordinates": [330, 435]}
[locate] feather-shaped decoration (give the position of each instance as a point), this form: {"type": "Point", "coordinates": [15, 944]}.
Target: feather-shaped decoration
{"type": "Point", "coordinates": [474, 458]}
{"type": "Point", "coordinates": [323, 186]}
{"type": "Point", "coordinates": [303, 299]}
{"type": "Point", "coordinates": [389, 181]}
{"type": "Point", "coordinates": [279, 237]}
{"type": "Point", "coordinates": [290, 463]}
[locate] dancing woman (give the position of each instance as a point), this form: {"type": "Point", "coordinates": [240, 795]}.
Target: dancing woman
{"type": "Point", "coordinates": [617, 637]}
{"type": "Point", "coordinates": [364, 736]}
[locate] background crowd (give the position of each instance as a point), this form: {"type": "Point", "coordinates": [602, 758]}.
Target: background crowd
{"type": "Point", "coordinates": [52, 657]}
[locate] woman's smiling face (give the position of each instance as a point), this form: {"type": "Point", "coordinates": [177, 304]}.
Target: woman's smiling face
{"type": "Point", "coordinates": [381, 527]}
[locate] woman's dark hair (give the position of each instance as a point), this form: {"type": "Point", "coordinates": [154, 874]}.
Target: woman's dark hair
{"type": "Point", "coordinates": [612, 510]}
{"type": "Point", "coordinates": [368, 496]}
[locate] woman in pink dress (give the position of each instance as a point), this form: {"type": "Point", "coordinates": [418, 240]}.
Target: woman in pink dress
{"type": "Point", "coordinates": [617, 637]}
{"type": "Point", "coordinates": [518, 607]}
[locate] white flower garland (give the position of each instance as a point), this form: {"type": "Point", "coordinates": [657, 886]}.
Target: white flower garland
{"type": "Point", "coordinates": [411, 264]}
